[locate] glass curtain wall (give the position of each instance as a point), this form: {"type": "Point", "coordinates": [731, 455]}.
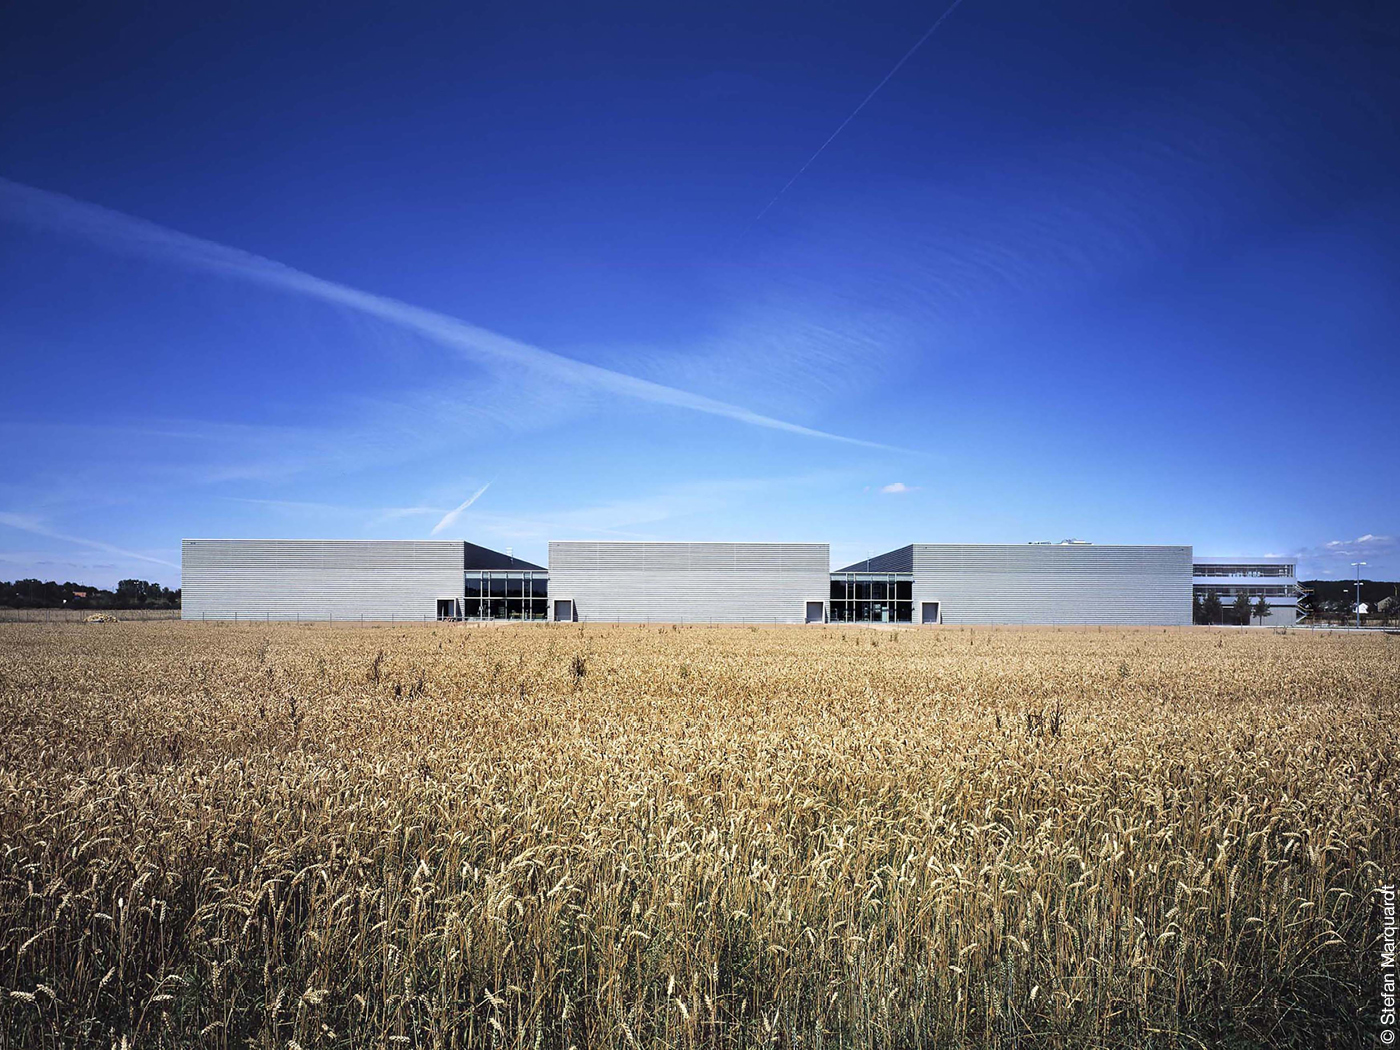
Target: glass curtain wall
{"type": "Point", "coordinates": [1249, 592]}
{"type": "Point", "coordinates": [872, 597]}
{"type": "Point", "coordinates": [1243, 570]}
{"type": "Point", "coordinates": [506, 596]}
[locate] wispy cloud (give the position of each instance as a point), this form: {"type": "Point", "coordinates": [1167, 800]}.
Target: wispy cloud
{"type": "Point", "coordinates": [896, 488]}
{"type": "Point", "coordinates": [1334, 557]}
{"type": "Point", "coordinates": [372, 515]}
{"type": "Point", "coordinates": [645, 516]}
{"type": "Point", "coordinates": [452, 515]}
{"type": "Point", "coordinates": [363, 434]}
{"type": "Point", "coordinates": [297, 505]}
{"type": "Point", "coordinates": [116, 230]}
{"type": "Point", "coordinates": [1360, 544]}
{"type": "Point", "coordinates": [395, 513]}
{"type": "Point", "coordinates": [856, 112]}
{"type": "Point", "coordinates": [25, 523]}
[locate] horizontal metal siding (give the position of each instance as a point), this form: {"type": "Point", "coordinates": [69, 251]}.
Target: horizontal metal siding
{"type": "Point", "coordinates": [1281, 613]}
{"type": "Point", "coordinates": [318, 579]}
{"type": "Point", "coordinates": [1053, 584]}
{"type": "Point", "coordinates": [690, 582]}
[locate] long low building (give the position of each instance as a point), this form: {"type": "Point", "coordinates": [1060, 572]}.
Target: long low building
{"type": "Point", "coordinates": [356, 580]}
{"type": "Point", "coordinates": [690, 582]}
{"type": "Point", "coordinates": [776, 583]}
{"type": "Point", "coordinates": [1025, 583]}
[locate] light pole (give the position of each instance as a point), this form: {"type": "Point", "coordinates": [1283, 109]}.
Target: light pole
{"type": "Point", "coordinates": [1357, 566]}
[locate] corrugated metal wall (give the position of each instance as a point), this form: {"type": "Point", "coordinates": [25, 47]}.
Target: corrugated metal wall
{"type": "Point", "coordinates": [1283, 612]}
{"type": "Point", "coordinates": [318, 579]}
{"type": "Point", "coordinates": [689, 582]}
{"type": "Point", "coordinates": [1053, 584]}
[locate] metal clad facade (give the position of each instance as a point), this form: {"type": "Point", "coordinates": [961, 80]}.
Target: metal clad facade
{"type": "Point", "coordinates": [689, 582]}
{"type": "Point", "coordinates": [1053, 583]}
{"type": "Point", "coordinates": [318, 579]}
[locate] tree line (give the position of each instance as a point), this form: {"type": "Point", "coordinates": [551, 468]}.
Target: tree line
{"type": "Point", "coordinates": [1208, 608]}
{"type": "Point", "coordinates": [1334, 601]}
{"type": "Point", "coordinates": [1323, 601]}
{"type": "Point", "coordinates": [129, 594]}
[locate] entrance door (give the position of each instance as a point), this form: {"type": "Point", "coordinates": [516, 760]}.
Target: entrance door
{"type": "Point", "coordinates": [446, 609]}
{"type": "Point", "coordinates": [564, 610]}
{"type": "Point", "coordinates": [816, 612]}
{"type": "Point", "coordinates": [930, 612]}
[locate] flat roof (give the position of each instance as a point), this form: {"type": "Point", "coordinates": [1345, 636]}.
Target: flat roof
{"type": "Point", "coordinates": [1245, 559]}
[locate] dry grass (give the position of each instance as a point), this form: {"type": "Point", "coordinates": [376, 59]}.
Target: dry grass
{"type": "Point", "coordinates": [450, 836]}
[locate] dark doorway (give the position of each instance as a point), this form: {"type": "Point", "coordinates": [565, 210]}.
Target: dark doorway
{"type": "Point", "coordinates": [816, 612]}
{"type": "Point", "coordinates": [930, 612]}
{"type": "Point", "coordinates": [447, 609]}
{"type": "Point", "coordinates": [564, 610]}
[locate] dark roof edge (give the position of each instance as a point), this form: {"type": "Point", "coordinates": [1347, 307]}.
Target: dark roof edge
{"type": "Point", "coordinates": [479, 557]}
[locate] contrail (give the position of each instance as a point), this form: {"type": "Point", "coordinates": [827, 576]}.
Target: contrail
{"type": "Point", "coordinates": [116, 230]}
{"type": "Point", "coordinates": [27, 524]}
{"type": "Point", "coordinates": [864, 102]}
{"type": "Point", "coordinates": [452, 515]}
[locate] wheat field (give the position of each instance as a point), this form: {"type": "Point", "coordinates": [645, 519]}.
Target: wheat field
{"type": "Point", "coordinates": [555, 836]}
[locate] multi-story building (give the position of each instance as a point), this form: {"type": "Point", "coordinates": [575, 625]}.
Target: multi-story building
{"type": "Point", "coordinates": [1273, 579]}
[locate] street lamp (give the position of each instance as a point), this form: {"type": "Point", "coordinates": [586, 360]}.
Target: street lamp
{"type": "Point", "coordinates": [1357, 566]}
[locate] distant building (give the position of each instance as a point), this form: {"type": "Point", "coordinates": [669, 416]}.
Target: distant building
{"type": "Point", "coordinates": [1273, 579]}
{"type": "Point", "coordinates": [357, 579]}
{"type": "Point", "coordinates": [1026, 583]}
{"type": "Point", "coordinates": [690, 582]}
{"type": "Point", "coordinates": [923, 583]}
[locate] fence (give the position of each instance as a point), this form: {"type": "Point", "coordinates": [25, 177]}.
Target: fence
{"type": "Point", "coordinates": [78, 615]}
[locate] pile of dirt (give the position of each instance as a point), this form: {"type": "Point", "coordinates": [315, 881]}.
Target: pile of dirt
{"type": "Point", "coordinates": [100, 618]}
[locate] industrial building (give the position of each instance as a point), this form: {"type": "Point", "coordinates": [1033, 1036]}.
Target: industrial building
{"type": "Point", "coordinates": [1271, 578]}
{"type": "Point", "coordinates": [690, 582]}
{"type": "Point", "coordinates": [357, 580]}
{"type": "Point", "coordinates": [774, 583]}
{"type": "Point", "coordinates": [1021, 583]}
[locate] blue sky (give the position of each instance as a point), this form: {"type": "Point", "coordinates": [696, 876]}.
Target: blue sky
{"type": "Point", "coordinates": [1123, 273]}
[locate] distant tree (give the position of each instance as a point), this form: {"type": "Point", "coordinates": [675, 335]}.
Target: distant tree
{"type": "Point", "coordinates": [139, 594]}
{"type": "Point", "coordinates": [1387, 607]}
{"type": "Point", "coordinates": [1211, 609]}
{"type": "Point", "coordinates": [130, 594]}
{"type": "Point", "coordinates": [1198, 609]}
{"type": "Point", "coordinates": [1261, 610]}
{"type": "Point", "coordinates": [1240, 609]}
